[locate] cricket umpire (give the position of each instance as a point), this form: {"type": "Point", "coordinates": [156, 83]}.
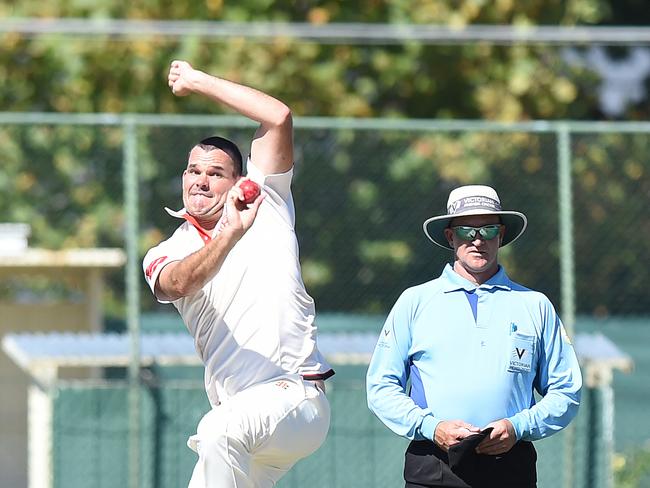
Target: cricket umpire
{"type": "Point", "coordinates": [232, 270]}
{"type": "Point", "coordinates": [475, 346]}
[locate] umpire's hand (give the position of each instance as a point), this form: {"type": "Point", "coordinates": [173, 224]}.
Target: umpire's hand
{"type": "Point", "coordinates": [500, 440]}
{"type": "Point", "coordinates": [450, 432]}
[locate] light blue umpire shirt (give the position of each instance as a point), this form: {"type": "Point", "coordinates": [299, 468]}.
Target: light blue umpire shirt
{"type": "Point", "coordinates": [473, 353]}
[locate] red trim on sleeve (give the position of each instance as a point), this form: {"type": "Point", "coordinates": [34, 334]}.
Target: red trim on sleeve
{"type": "Point", "coordinates": [153, 265]}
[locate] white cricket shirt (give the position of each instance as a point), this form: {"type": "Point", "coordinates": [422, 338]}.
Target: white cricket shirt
{"type": "Point", "coordinates": [254, 320]}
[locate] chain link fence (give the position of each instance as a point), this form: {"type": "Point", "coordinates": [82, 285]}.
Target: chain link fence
{"type": "Point", "coordinates": [362, 190]}
{"type": "Point", "coordinates": [91, 431]}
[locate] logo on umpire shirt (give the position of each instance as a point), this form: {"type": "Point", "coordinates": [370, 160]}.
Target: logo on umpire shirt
{"type": "Point", "coordinates": [521, 353]}
{"type": "Point", "coordinates": [383, 339]}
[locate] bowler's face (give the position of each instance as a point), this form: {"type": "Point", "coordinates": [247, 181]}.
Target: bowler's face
{"type": "Point", "coordinates": [478, 256]}
{"type": "Point", "coordinates": [206, 181]}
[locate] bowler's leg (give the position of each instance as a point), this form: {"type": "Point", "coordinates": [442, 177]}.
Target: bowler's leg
{"type": "Point", "coordinates": [295, 436]}
{"type": "Point", "coordinates": [224, 461]}
{"type": "Point", "coordinates": [254, 439]}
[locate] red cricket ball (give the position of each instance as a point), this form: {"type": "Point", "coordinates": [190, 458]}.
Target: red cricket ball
{"type": "Point", "coordinates": [251, 191]}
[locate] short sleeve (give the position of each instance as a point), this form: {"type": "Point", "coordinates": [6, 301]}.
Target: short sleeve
{"type": "Point", "coordinates": [280, 183]}
{"type": "Point", "coordinates": [156, 259]}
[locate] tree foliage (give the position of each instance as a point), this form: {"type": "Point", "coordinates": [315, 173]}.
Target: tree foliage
{"type": "Point", "coordinates": [361, 195]}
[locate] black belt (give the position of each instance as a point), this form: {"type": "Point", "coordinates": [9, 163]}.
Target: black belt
{"type": "Point", "coordinates": [318, 376]}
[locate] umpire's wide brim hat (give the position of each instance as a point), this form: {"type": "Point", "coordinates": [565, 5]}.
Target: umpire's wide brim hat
{"type": "Point", "coordinates": [474, 200]}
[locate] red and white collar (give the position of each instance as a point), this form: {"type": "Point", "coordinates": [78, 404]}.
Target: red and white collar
{"type": "Point", "coordinates": [182, 214]}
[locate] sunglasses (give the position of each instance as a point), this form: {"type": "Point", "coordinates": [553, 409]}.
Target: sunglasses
{"type": "Point", "coordinates": [487, 232]}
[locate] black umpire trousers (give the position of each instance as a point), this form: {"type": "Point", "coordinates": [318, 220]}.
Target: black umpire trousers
{"type": "Point", "coordinates": [427, 466]}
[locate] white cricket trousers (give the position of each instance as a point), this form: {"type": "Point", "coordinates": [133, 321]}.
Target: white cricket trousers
{"type": "Point", "coordinates": [254, 437]}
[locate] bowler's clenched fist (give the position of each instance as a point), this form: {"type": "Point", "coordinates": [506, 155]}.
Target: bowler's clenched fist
{"type": "Point", "coordinates": [180, 78]}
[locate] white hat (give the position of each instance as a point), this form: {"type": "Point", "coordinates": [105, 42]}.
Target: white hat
{"type": "Point", "coordinates": [474, 200]}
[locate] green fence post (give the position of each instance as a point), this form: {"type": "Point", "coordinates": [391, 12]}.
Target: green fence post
{"type": "Point", "coordinates": [565, 208]}
{"type": "Point", "coordinates": [130, 174]}
{"type": "Point", "coordinates": [567, 266]}
{"type": "Point", "coordinates": [603, 462]}
{"type": "Point", "coordinates": [600, 439]}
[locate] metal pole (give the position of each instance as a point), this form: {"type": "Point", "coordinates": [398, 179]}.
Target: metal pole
{"type": "Point", "coordinates": [130, 181]}
{"type": "Point", "coordinates": [607, 398]}
{"type": "Point", "coordinates": [567, 257]}
{"type": "Point", "coordinates": [330, 33]}
{"type": "Point", "coordinates": [230, 121]}
{"type": "Point", "coordinates": [567, 267]}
